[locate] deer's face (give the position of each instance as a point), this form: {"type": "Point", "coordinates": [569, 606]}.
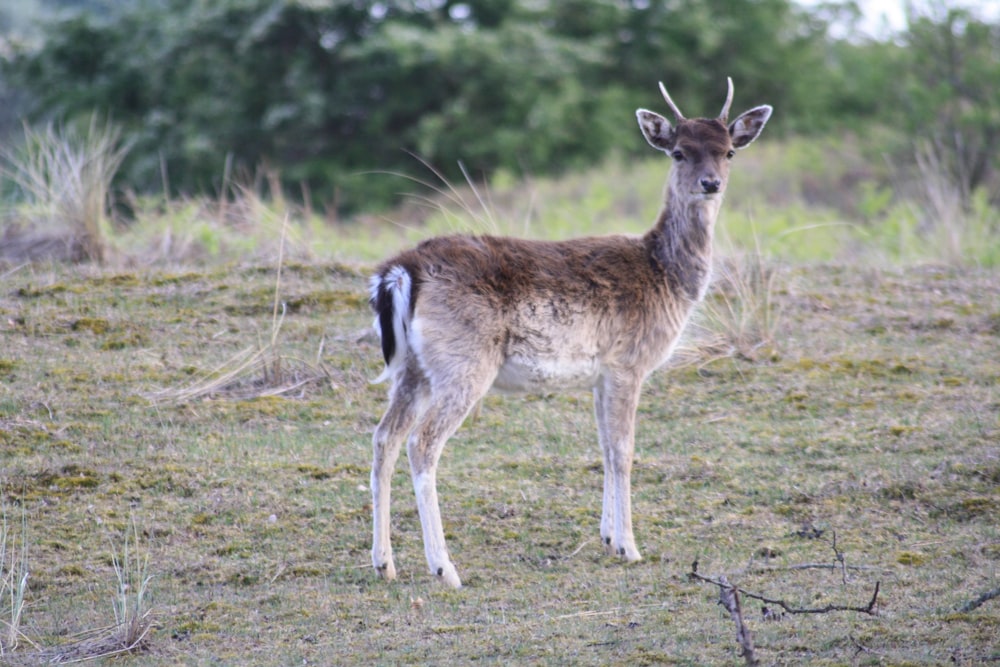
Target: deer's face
{"type": "Point", "coordinates": [701, 150]}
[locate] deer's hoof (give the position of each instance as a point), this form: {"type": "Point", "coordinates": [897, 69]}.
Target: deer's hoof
{"type": "Point", "coordinates": [627, 552]}
{"type": "Point", "coordinates": [609, 549]}
{"type": "Point", "coordinates": [448, 575]}
{"type": "Point", "coordinates": [386, 569]}
{"type": "Point", "coordinates": [630, 554]}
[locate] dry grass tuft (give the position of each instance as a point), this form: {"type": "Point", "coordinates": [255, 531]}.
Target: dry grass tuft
{"type": "Point", "coordinates": [254, 372]}
{"type": "Point", "coordinates": [739, 317]}
{"type": "Point", "coordinates": [957, 224]}
{"type": "Point", "coordinates": [13, 583]}
{"type": "Point", "coordinates": [65, 177]}
{"type": "Point", "coordinates": [133, 614]}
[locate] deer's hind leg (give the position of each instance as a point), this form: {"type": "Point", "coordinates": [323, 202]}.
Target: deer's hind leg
{"type": "Point", "coordinates": [458, 376]}
{"type": "Point", "coordinates": [407, 402]}
{"type": "Point", "coordinates": [424, 448]}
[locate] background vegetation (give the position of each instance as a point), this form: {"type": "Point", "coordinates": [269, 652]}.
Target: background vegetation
{"type": "Point", "coordinates": [323, 93]}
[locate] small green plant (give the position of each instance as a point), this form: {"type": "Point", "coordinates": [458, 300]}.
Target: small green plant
{"type": "Point", "coordinates": [65, 176]}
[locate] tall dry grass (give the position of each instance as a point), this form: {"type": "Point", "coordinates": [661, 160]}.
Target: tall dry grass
{"type": "Point", "coordinates": [741, 315]}
{"type": "Point", "coordinates": [952, 219]}
{"type": "Point", "coordinates": [65, 176]}
{"type": "Point", "coordinates": [13, 583]}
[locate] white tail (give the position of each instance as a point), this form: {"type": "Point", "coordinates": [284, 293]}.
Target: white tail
{"type": "Point", "coordinates": [390, 296]}
{"type": "Point", "coordinates": [461, 314]}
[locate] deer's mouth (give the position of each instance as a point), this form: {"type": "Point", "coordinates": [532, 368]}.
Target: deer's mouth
{"type": "Point", "coordinates": [706, 196]}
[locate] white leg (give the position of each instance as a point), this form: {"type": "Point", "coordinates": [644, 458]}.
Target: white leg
{"type": "Point", "coordinates": [608, 499]}
{"type": "Point", "coordinates": [384, 461]}
{"type": "Point", "coordinates": [615, 406]}
{"type": "Point", "coordinates": [424, 450]}
{"type": "Point", "coordinates": [438, 561]}
{"type": "Point", "coordinates": [405, 402]}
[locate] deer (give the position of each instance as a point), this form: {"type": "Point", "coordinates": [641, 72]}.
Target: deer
{"type": "Point", "coordinates": [459, 315]}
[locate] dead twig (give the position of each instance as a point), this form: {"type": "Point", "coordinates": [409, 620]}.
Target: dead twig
{"type": "Point", "coordinates": [729, 598]}
{"type": "Point", "coordinates": [860, 648]}
{"type": "Point", "coordinates": [980, 601]}
{"type": "Point", "coordinates": [840, 558]}
{"type": "Point", "coordinates": [579, 548]}
{"type": "Point", "coordinates": [869, 609]}
{"type": "Point", "coordinates": [840, 563]}
{"type": "Point", "coordinates": [808, 566]}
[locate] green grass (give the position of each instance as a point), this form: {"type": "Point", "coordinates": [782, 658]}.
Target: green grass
{"type": "Point", "coordinates": [874, 416]}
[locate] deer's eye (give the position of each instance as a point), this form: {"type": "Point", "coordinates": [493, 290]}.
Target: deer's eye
{"type": "Point", "coordinates": [677, 155]}
{"type": "Point", "coordinates": [730, 154]}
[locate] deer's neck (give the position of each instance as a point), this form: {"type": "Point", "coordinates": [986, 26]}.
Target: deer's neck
{"type": "Point", "coordinates": [681, 242]}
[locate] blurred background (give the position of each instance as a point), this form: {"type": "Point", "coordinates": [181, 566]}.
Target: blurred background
{"type": "Point", "coordinates": [187, 125]}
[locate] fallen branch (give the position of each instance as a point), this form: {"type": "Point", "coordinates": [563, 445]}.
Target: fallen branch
{"type": "Point", "coordinates": [729, 597]}
{"type": "Point", "coordinates": [869, 609]}
{"type": "Point", "coordinates": [763, 569]}
{"type": "Point", "coordinates": [861, 648]}
{"type": "Point", "coordinates": [840, 563]}
{"type": "Point", "coordinates": [979, 601]}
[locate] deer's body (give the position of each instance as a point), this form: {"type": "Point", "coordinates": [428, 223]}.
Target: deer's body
{"type": "Point", "coordinates": [459, 315]}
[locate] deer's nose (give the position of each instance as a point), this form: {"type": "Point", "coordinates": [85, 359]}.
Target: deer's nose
{"type": "Point", "coordinates": [710, 185]}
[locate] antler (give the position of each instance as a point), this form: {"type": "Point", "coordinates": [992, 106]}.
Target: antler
{"type": "Point", "coordinates": [724, 116]}
{"type": "Point", "coordinates": [670, 103]}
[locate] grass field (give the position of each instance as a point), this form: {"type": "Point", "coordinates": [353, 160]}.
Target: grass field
{"type": "Point", "coordinates": [242, 515]}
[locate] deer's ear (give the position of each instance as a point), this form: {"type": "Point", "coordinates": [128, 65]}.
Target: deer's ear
{"type": "Point", "coordinates": [657, 130]}
{"type": "Point", "coordinates": [747, 127]}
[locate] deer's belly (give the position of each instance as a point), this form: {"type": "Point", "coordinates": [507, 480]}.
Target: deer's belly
{"type": "Point", "coordinates": [532, 374]}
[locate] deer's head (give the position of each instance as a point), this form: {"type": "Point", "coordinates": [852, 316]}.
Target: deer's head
{"type": "Point", "coordinates": [701, 147]}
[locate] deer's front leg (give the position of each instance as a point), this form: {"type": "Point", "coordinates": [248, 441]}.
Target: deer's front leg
{"type": "Point", "coordinates": [608, 499]}
{"type": "Point", "coordinates": [615, 403]}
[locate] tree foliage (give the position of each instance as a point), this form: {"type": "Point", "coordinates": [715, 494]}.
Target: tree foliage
{"type": "Point", "coordinates": [327, 91]}
{"type": "Point", "coordinates": [950, 93]}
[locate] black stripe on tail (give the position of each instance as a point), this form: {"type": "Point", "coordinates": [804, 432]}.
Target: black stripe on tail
{"type": "Point", "coordinates": [383, 306]}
